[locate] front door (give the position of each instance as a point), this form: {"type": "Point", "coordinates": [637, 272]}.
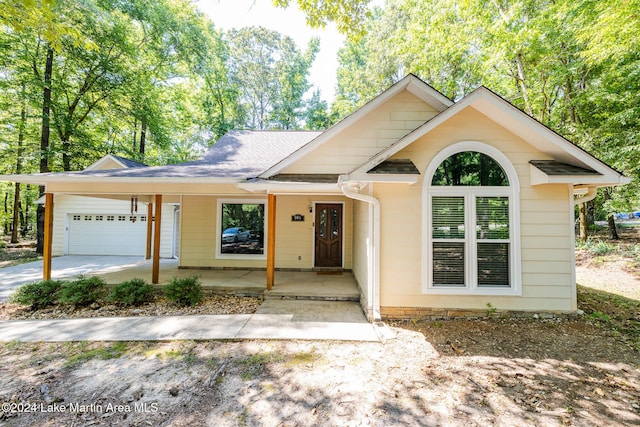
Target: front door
{"type": "Point", "coordinates": [328, 235]}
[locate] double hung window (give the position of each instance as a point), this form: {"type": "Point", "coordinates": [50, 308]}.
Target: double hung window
{"type": "Point", "coordinates": [471, 241]}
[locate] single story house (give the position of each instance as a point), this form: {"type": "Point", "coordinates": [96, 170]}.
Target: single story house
{"type": "Point", "coordinates": [85, 225]}
{"type": "Point", "coordinates": [432, 204]}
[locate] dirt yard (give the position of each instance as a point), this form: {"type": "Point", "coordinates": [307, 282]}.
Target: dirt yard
{"type": "Point", "coordinates": [502, 372]}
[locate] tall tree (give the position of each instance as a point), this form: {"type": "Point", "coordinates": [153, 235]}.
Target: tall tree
{"type": "Point", "coordinates": [271, 76]}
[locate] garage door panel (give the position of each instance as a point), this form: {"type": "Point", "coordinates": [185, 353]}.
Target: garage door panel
{"type": "Point", "coordinates": [102, 234]}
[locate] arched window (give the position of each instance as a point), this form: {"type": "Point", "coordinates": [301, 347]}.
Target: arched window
{"type": "Point", "coordinates": [472, 242]}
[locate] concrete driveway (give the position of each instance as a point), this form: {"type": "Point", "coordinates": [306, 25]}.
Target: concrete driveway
{"type": "Point", "coordinates": [63, 267]}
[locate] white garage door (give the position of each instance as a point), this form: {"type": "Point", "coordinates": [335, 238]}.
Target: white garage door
{"type": "Point", "coordinates": [107, 234]}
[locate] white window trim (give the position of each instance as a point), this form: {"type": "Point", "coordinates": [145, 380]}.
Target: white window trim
{"type": "Point", "coordinates": [470, 193]}
{"type": "Point", "coordinates": [219, 254]}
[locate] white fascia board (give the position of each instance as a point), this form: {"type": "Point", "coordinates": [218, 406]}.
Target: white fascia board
{"type": "Point", "coordinates": [44, 179]}
{"type": "Point", "coordinates": [429, 95]}
{"type": "Point", "coordinates": [273, 187]}
{"type": "Point", "coordinates": [411, 83]}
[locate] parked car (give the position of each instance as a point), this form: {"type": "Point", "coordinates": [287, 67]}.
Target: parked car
{"type": "Point", "coordinates": [235, 234]}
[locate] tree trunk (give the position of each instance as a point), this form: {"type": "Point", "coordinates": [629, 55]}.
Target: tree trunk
{"type": "Point", "coordinates": [134, 145]}
{"type": "Point", "coordinates": [583, 222]}
{"type": "Point", "coordinates": [24, 214]}
{"type": "Point", "coordinates": [16, 214]}
{"type": "Point", "coordinates": [613, 232]}
{"type": "Point", "coordinates": [66, 156]}
{"type": "Point", "coordinates": [143, 136]}
{"type": "Point", "coordinates": [44, 142]}
{"type": "Point", "coordinates": [6, 210]}
{"type": "Point", "coordinates": [16, 195]}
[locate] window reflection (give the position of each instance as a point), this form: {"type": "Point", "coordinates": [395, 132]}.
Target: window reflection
{"type": "Point", "coordinates": [242, 228]}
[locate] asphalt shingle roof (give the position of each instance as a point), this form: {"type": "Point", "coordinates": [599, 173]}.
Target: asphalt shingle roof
{"type": "Point", "coordinates": [237, 154]}
{"type": "Point", "coordinates": [552, 167]}
{"type": "Point", "coordinates": [396, 166]}
{"type": "Point", "coordinates": [128, 162]}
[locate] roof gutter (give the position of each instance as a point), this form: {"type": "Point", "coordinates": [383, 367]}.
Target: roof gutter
{"type": "Point", "coordinates": [582, 196]}
{"type": "Point", "coordinates": [352, 190]}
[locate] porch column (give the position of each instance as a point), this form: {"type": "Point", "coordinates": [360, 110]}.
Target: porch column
{"type": "Point", "coordinates": [149, 229]}
{"type": "Point", "coordinates": [271, 240]}
{"type": "Point", "coordinates": [48, 236]}
{"type": "Point", "coordinates": [155, 272]}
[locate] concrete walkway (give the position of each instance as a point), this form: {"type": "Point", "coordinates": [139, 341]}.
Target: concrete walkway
{"type": "Point", "coordinates": [276, 320]}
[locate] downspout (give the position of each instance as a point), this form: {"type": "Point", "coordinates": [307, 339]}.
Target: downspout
{"type": "Point", "coordinates": [352, 190]}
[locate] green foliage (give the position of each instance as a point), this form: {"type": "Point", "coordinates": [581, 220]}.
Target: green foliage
{"type": "Point", "coordinates": [133, 292]}
{"type": "Point", "coordinates": [271, 76]}
{"type": "Point", "coordinates": [184, 292]}
{"type": "Point", "coordinates": [112, 351]}
{"type": "Point", "coordinates": [38, 294]}
{"type": "Point", "coordinates": [348, 15]}
{"type": "Point", "coordinates": [596, 315]}
{"type": "Point", "coordinates": [83, 291]}
{"type": "Point", "coordinates": [491, 310]}
{"type": "Point", "coordinates": [597, 247]}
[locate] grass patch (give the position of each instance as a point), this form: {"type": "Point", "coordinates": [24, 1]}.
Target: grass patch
{"type": "Point", "coordinates": [184, 351]}
{"type": "Point", "coordinates": [84, 353]}
{"type": "Point", "coordinates": [302, 358]}
{"type": "Point", "coordinates": [616, 314]}
{"type": "Point", "coordinates": [254, 365]}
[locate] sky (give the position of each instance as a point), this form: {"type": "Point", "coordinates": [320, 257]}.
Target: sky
{"type": "Point", "coordinates": [228, 14]}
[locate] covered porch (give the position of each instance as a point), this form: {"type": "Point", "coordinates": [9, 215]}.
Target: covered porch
{"type": "Point", "coordinates": [288, 284]}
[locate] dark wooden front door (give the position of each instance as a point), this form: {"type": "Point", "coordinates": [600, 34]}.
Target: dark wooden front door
{"type": "Point", "coordinates": [328, 235]}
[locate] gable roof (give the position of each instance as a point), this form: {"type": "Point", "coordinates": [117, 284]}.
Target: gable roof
{"type": "Point", "coordinates": [122, 163]}
{"type": "Point", "coordinates": [236, 156]}
{"type": "Point", "coordinates": [410, 83]}
{"type": "Point", "coordinates": [517, 122]}
{"type": "Point", "coordinates": [258, 156]}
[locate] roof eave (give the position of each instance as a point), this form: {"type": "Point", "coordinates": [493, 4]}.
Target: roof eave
{"type": "Point", "coordinates": [279, 187]}
{"type": "Point", "coordinates": [44, 179]}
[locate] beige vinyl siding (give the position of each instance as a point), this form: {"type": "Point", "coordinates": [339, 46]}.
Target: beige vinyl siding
{"type": "Point", "coordinates": [294, 240]}
{"type": "Point", "coordinates": [198, 231]}
{"type": "Point", "coordinates": [361, 227]}
{"type": "Point", "coordinates": [545, 227]}
{"type": "Point", "coordinates": [400, 241]}
{"type": "Point", "coordinates": [65, 205]}
{"type": "Point", "coordinates": [376, 131]}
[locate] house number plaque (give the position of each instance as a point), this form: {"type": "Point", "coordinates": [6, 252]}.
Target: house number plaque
{"type": "Point", "coordinates": [297, 218]}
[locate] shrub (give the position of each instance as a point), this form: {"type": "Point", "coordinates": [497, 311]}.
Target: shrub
{"type": "Point", "coordinates": [83, 291]}
{"type": "Point", "coordinates": [37, 294]}
{"type": "Point", "coordinates": [133, 292]}
{"type": "Point", "coordinates": [187, 291]}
